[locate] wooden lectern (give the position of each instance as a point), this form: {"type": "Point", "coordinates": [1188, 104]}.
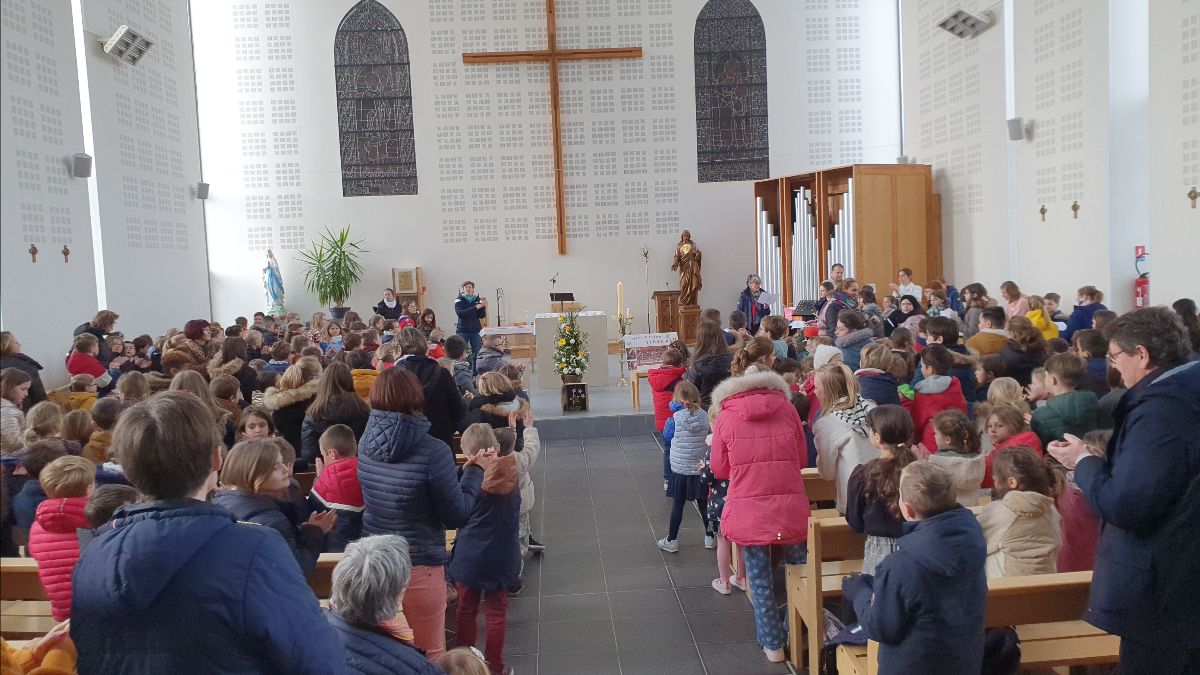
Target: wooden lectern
{"type": "Point", "coordinates": [666, 309]}
{"type": "Point", "coordinates": [689, 320]}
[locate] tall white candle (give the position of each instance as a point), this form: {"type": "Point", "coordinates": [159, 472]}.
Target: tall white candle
{"type": "Point", "coordinates": [620, 296]}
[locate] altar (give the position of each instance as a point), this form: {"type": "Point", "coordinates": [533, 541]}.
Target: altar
{"type": "Point", "coordinates": [595, 325]}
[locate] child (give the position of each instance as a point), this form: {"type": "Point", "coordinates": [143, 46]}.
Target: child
{"type": "Point", "coordinates": [874, 378]}
{"type": "Point", "coordinates": [1068, 410]}
{"type": "Point", "coordinates": [227, 391]}
{"type": "Point", "coordinates": [663, 381]}
{"type": "Point", "coordinates": [1040, 319]}
{"type": "Point", "coordinates": [1050, 305]}
{"type": "Point", "coordinates": [104, 417]}
{"type": "Point", "coordinates": [925, 604]}
{"type": "Point", "coordinates": [133, 387]}
{"type": "Point", "coordinates": [331, 337]}
{"type": "Point", "coordinates": [737, 328]}
{"type": "Point", "coordinates": [776, 328]}
{"type": "Point", "coordinates": [337, 487]}
{"type": "Point", "coordinates": [1080, 526]}
{"type": "Point", "coordinates": [104, 502]}
{"type": "Point", "coordinates": [77, 426]}
{"type": "Point", "coordinates": [53, 542]}
{"type": "Point", "coordinates": [385, 356]}
{"type": "Point", "coordinates": [991, 337]}
{"type": "Point", "coordinates": [987, 370]}
{"type": "Point", "coordinates": [687, 459]}
{"type": "Point", "coordinates": [255, 423]}
{"type": "Point", "coordinates": [841, 436]}
{"type": "Point", "coordinates": [34, 459]}
{"type": "Point", "coordinates": [718, 489]}
{"type": "Point", "coordinates": [255, 481]}
{"type": "Point", "coordinates": [83, 359]}
{"type": "Point", "coordinates": [933, 394]}
{"type": "Point", "coordinates": [959, 452]}
{"type": "Point", "coordinates": [943, 331]}
{"type": "Point", "coordinates": [852, 334]}
{"type": "Point", "coordinates": [456, 350]}
{"type": "Point", "coordinates": [279, 357]}
{"type": "Point", "coordinates": [1038, 389]}
{"type": "Point", "coordinates": [1093, 348]}
{"type": "Point", "coordinates": [1006, 427]}
{"type": "Point", "coordinates": [1020, 524]}
{"type": "Point", "coordinates": [526, 457]}
{"type": "Point", "coordinates": [1101, 318]}
{"type": "Point", "coordinates": [463, 661]}
{"type": "Point", "coordinates": [487, 558]}
{"type": "Point", "coordinates": [79, 394]}
{"type": "Point", "coordinates": [437, 343]}
{"type": "Point", "coordinates": [872, 499]}
{"type": "Point", "coordinates": [513, 372]}
{"type": "Point", "coordinates": [493, 354]}
{"type": "Point", "coordinates": [361, 372]}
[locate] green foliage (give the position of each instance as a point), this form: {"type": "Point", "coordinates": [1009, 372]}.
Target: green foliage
{"type": "Point", "coordinates": [332, 266]}
{"type": "Point", "coordinates": [570, 346]}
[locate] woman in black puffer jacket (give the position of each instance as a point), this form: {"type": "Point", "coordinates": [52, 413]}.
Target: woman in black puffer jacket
{"type": "Point", "coordinates": [336, 403]}
{"type": "Point", "coordinates": [11, 357]}
{"type": "Point", "coordinates": [411, 487]}
{"type": "Point", "coordinates": [1025, 351]}
{"type": "Point", "coordinates": [711, 361]}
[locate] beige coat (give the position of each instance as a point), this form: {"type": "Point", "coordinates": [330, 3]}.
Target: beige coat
{"type": "Point", "coordinates": [12, 427]}
{"type": "Point", "coordinates": [525, 461]}
{"type": "Point", "coordinates": [1023, 535]}
{"type": "Point", "coordinates": [967, 471]}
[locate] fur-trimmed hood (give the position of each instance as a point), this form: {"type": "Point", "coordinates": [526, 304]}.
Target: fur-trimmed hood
{"type": "Point", "coordinates": [215, 367]}
{"type": "Point", "coordinates": [273, 399]}
{"type": "Point", "coordinates": [749, 382]}
{"type": "Point", "coordinates": [505, 408]}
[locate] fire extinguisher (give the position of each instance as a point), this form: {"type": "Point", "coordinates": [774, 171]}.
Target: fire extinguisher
{"type": "Point", "coordinates": [1141, 285]}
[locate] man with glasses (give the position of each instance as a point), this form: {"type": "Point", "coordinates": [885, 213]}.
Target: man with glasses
{"type": "Point", "coordinates": [1146, 586]}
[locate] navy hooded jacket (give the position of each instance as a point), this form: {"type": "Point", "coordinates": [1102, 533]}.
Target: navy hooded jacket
{"type": "Point", "coordinates": [373, 653]}
{"type": "Point", "coordinates": [878, 386]}
{"type": "Point", "coordinates": [411, 486]}
{"type": "Point", "coordinates": [1081, 318]}
{"type": "Point", "coordinates": [926, 601]}
{"type": "Point", "coordinates": [180, 587]}
{"type": "Point", "coordinates": [468, 315]}
{"type": "Point", "coordinates": [304, 541]}
{"type": "Point", "coordinates": [1144, 585]}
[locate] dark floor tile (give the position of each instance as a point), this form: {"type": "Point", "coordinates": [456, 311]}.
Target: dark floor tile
{"type": "Point", "coordinates": [572, 583]}
{"type": "Point", "coordinates": [597, 662]}
{"type": "Point", "coordinates": [742, 658]}
{"type": "Point", "coordinates": [722, 627]}
{"type": "Point", "coordinates": [692, 552]}
{"type": "Point", "coordinates": [642, 632]}
{"type": "Point", "coordinates": [580, 561]}
{"type": "Point", "coordinates": [681, 659]}
{"type": "Point", "coordinates": [643, 603]}
{"type": "Point", "coordinates": [522, 665]}
{"type": "Point", "coordinates": [518, 640]}
{"type": "Point", "coordinates": [577, 636]}
{"type": "Point", "coordinates": [523, 608]}
{"type": "Point", "coordinates": [618, 557]}
{"type": "Point", "coordinates": [693, 576]}
{"type": "Point", "coordinates": [637, 578]}
{"type": "Point", "coordinates": [707, 600]}
{"type": "Point", "coordinates": [558, 541]}
{"type": "Point", "coordinates": [575, 607]}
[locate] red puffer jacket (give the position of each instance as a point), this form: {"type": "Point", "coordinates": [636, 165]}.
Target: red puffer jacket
{"type": "Point", "coordinates": [662, 386]}
{"type": "Point", "coordinates": [54, 544]}
{"type": "Point", "coordinates": [758, 445]}
{"type": "Point", "coordinates": [933, 395]}
{"type": "Point", "coordinates": [1025, 438]}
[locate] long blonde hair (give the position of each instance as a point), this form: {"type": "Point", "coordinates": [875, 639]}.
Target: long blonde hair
{"type": "Point", "coordinates": [194, 384]}
{"type": "Point", "coordinates": [837, 388]}
{"type": "Point", "coordinates": [43, 420]}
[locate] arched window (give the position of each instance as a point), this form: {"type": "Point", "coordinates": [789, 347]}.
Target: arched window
{"type": "Point", "coordinates": [731, 93]}
{"type": "Point", "coordinates": [374, 98]}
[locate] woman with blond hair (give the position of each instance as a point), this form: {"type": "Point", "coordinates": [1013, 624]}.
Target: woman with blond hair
{"type": "Point", "coordinates": [841, 433]}
{"type": "Point", "coordinates": [1016, 303]}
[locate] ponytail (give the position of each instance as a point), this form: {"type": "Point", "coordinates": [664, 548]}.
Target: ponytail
{"type": "Point", "coordinates": [1032, 472]}
{"type": "Point", "coordinates": [752, 352]}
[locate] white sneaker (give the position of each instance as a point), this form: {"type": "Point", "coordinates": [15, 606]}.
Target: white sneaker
{"type": "Point", "coordinates": [774, 655]}
{"type": "Point", "coordinates": [710, 541]}
{"type": "Point", "coordinates": [734, 582]}
{"type": "Point", "coordinates": [720, 587]}
{"type": "Point", "coordinates": [670, 546]}
{"type": "Point", "coordinates": [665, 486]}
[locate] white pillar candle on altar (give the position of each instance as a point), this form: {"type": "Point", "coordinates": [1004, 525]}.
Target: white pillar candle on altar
{"type": "Point", "coordinates": [620, 296]}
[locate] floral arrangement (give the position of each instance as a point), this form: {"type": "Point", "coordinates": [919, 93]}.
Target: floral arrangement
{"type": "Point", "coordinates": [570, 346]}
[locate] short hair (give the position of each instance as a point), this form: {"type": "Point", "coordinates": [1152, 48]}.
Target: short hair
{"type": "Point", "coordinates": [311, 350]}
{"type": "Point", "coordinates": [835, 266]}
{"type": "Point", "coordinates": [1158, 330]}
{"type": "Point", "coordinates": [370, 335]}
{"type": "Point", "coordinates": [132, 387]}
{"type": "Point", "coordinates": [234, 331]}
{"type": "Point", "coordinates": [906, 270]}
{"type": "Point", "coordinates": [495, 384]}
{"type": "Point", "coordinates": [41, 453]}
{"type": "Point", "coordinates": [944, 328]}
{"type": "Point", "coordinates": [105, 500]}
{"type": "Point", "coordinates": [280, 351]}
{"type": "Point", "coordinates": [397, 390]}
{"type": "Point", "coordinates": [477, 437]}
{"type": "Point", "coordinates": [265, 379]}
{"type": "Point", "coordinates": [1102, 318]}
{"type": "Point", "coordinates": [512, 372]}
{"type": "Point", "coordinates": [10, 379]}
{"type": "Point", "coordinates": [340, 439]}
{"type": "Point", "coordinates": [1053, 297]}
{"type": "Point", "coordinates": [711, 314]}
{"type": "Point", "coordinates": [175, 359]}
{"type": "Point", "coordinates": [352, 341]}
{"type": "Point", "coordinates": [1090, 342]}
{"type": "Point", "coordinates": [82, 382]}
{"type": "Point", "coordinates": [413, 341]}
{"type": "Point", "coordinates": [776, 326]}
{"type": "Point", "coordinates": [249, 464]}
{"type": "Point", "coordinates": [938, 358]}
{"type": "Point", "coordinates": [105, 319]}
{"type": "Point", "coordinates": [851, 319]}
{"type": "Point", "coordinates": [737, 319]}
{"type": "Point", "coordinates": [506, 439]}
{"type": "Point", "coordinates": [876, 355]}
{"type": "Point", "coordinates": [224, 386]}
{"type": "Point", "coordinates": [673, 357]}
{"type": "Point", "coordinates": [358, 359]}
{"type": "Point", "coordinates": [867, 294]}
{"type": "Point", "coordinates": [77, 425]}
{"type": "Point", "coordinates": [106, 412]}
{"type": "Point", "coordinates": [462, 661]}
{"type": "Point", "coordinates": [994, 315]}
{"type": "Point", "coordinates": [928, 488]}
{"type": "Point", "coordinates": [370, 578]}
{"type": "Point", "coordinates": [68, 476]}
{"type": "Point", "coordinates": [85, 342]}
{"type": "Point", "coordinates": [165, 444]}
{"type": "Point", "coordinates": [195, 329]}
{"type": "Point", "coordinates": [254, 338]}
{"type": "Point", "coordinates": [298, 343]}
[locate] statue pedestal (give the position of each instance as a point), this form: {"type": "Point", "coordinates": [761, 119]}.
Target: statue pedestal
{"type": "Point", "coordinates": [689, 319]}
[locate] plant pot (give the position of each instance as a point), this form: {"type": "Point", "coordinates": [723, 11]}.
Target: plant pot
{"type": "Point", "coordinates": [572, 379]}
{"type": "Point", "coordinates": [338, 313]}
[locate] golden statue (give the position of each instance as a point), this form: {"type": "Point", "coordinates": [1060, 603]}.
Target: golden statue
{"type": "Point", "coordinates": [687, 263]}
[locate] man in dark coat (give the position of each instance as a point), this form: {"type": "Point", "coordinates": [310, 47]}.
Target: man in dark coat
{"type": "Point", "coordinates": [1146, 490]}
{"type": "Point", "coordinates": [444, 407]}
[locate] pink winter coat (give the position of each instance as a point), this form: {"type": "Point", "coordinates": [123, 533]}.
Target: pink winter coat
{"type": "Point", "coordinates": [758, 446]}
{"type": "Point", "coordinates": [54, 544]}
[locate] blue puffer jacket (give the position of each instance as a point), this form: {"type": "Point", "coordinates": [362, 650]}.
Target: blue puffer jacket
{"type": "Point", "coordinates": [1081, 318]}
{"type": "Point", "coordinates": [878, 386]}
{"type": "Point", "coordinates": [304, 541]}
{"type": "Point", "coordinates": [925, 603]}
{"type": "Point", "coordinates": [411, 486]}
{"type": "Point", "coordinates": [1144, 586]}
{"type": "Point", "coordinates": [468, 316]}
{"type": "Point", "coordinates": [180, 587]}
{"type": "Point", "coordinates": [687, 443]}
{"type": "Point", "coordinates": [373, 653]}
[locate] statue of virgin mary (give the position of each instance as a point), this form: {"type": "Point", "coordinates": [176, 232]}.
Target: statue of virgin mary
{"type": "Point", "coordinates": [273, 284]}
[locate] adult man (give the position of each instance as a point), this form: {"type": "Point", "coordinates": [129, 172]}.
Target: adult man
{"type": "Point", "coordinates": [1147, 493]}
{"type": "Point", "coordinates": [836, 274]}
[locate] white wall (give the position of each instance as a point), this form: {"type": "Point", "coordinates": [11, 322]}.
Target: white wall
{"type": "Point", "coordinates": [484, 209]}
{"type": "Point", "coordinates": [40, 127]}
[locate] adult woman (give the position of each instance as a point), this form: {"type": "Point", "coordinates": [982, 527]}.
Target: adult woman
{"type": "Point", "coordinates": [236, 588]}
{"type": "Point", "coordinates": [749, 305]}
{"type": "Point", "coordinates": [1088, 301]}
{"type": "Point", "coordinates": [711, 361]}
{"type": "Point", "coordinates": [1186, 309]}
{"type": "Point", "coordinates": [975, 299]}
{"type": "Point", "coordinates": [1024, 351]}
{"type": "Point", "coordinates": [196, 339]}
{"type": "Point", "coordinates": [758, 446]}
{"type": "Point", "coordinates": [1146, 489]}
{"type": "Point", "coordinates": [411, 487]}
{"type": "Point", "coordinates": [1016, 303]}
{"type": "Point", "coordinates": [14, 387]}
{"type": "Point", "coordinates": [844, 298]}
{"type": "Point", "coordinates": [907, 308]}
{"type": "Point", "coordinates": [11, 357]}
{"type": "Point", "coordinates": [101, 325]}
{"type": "Point", "coordinates": [906, 285]}
{"type": "Point", "coordinates": [389, 307]}
{"type": "Point", "coordinates": [841, 435]}
{"type": "Point", "coordinates": [427, 322]}
{"type": "Point", "coordinates": [233, 360]}
{"type": "Point", "coordinates": [368, 588]}
{"type": "Point", "coordinates": [289, 400]}
{"type": "Point", "coordinates": [191, 382]}
{"type": "Point", "coordinates": [336, 403]}
{"type": "Point", "coordinates": [444, 408]}
{"type": "Point", "coordinates": [470, 308]}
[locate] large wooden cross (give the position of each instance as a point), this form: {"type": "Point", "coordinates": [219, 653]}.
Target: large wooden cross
{"type": "Point", "coordinates": [552, 56]}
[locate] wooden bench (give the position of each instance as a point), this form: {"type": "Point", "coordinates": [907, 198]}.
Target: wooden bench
{"type": "Point", "coordinates": [25, 619]}
{"type": "Point", "coordinates": [321, 578]}
{"type": "Point", "coordinates": [306, 480]}
{"type": "Point", "coordinates": [1045, 611]}
{"type": "Point", "coordinates": [19, 580]}
{"type": "Point", "coordinates": [834, 551]}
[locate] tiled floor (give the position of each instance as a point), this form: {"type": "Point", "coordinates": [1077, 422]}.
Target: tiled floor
{"type": "Point", "coordinates": [603, 598]}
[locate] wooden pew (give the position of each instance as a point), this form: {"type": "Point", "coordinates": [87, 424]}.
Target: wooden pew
{"type": "Point", "coordinates": [834, 551]}
{"type": "Point", "coordinates": [321, 579]}
{"type": "Point", "coordinates": [818, 489]}
{"type": "Point", "coordinates": [19, 580]}
{"type": "Point", "coordinates": [306, 480]}
{"type": "Point", "coordinates": [25, 619]}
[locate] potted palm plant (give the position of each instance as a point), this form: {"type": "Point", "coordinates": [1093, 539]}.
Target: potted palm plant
{"type": "Point", "coordinates": [331, 268]}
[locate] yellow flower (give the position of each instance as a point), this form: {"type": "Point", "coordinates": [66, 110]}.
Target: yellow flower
{"type": "Point", "coordinates": [562, 319]}
{"type": "Point", "coordinates": [581, 353]}
{"type": "Point", "coordinates": [562, 343]}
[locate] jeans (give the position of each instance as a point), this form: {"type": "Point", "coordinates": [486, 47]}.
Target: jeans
{"type": "Point", "coordinates": [496, 616]}
{"type": "Point", "coordinates": [760, 575]}
{"type": "Point", "coordinates": [475, 343]}
{"type": "Point", "coordinates": [677, 516]}
{"type": "Point", "coordinates": [425, 608]}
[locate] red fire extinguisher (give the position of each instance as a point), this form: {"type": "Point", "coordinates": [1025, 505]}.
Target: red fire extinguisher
{"type": "Point", "coordinates": [1141, 285]}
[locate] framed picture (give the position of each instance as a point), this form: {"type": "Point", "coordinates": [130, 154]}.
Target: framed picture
{"type": "Point", "coordinates": [406, 281]}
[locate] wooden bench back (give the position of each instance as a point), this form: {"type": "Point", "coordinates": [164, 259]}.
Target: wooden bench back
{"type": "Point", "coordinates": [19, 580]}
{"type": "Point", "coordinates": [818, 489]}
{"type": "Point", "coordinates": [321, 579]}
{"type": "Point", "coordinates": [306, 480]}
{"type": "Point", "coordinates": [1042, 598]}
{"type": "Point", "coordinates": [832, 539]}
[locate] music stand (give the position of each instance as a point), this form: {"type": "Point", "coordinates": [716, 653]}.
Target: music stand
{"type": "Point", "coordinates": [560, 298]}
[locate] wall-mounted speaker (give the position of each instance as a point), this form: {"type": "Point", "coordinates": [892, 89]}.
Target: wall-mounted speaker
{"type": "Point", "coordinates": [81, 165]}
{"type": "Point", "coordinates": [1019, 129]}
{"type": "Point", "coordinates": [200, 191]}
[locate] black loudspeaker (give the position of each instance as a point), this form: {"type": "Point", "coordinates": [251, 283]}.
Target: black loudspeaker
{"type": "Point", "coordinates": [81, 165]}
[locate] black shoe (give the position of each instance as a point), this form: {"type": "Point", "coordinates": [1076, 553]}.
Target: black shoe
{"type": "Point", "coordinates": [516, 590]}
{"type": "Point", "coordinates": [536, 546]}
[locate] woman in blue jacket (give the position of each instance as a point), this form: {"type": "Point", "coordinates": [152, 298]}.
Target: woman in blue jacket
{"type": "Point", "coordinates": [470, 309]}
{"type": "Point", "coordinates": [749, 305]}
{"type": "Point", "coordinates": [175, 584]}
{"type": "Point", "coordinates": [1088, 301]}
{"type": "Point", "coordinates": [411, 487]}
